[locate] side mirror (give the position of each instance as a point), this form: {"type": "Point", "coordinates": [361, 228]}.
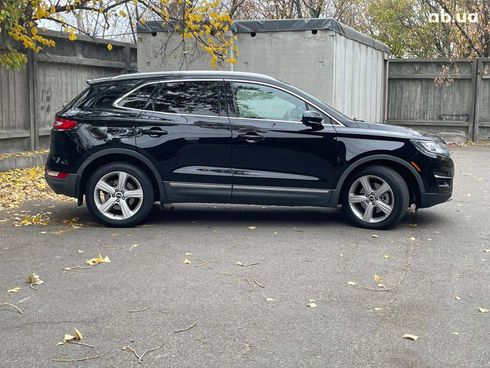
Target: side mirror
{"type": "Point", "coordinates": [312, 119]}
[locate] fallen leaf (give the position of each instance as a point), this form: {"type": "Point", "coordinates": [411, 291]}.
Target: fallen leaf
{"type": "Point", "coordinates": [270, 299]}
{"type": "Point", "coordinates": [97, 260]}
{"type": "Point", "coordinates": [378, 309]}
{"type": "Point", "coordinates": [14, 290]}
{"type": "Point", "coordinates": [486, 250]}
{"type": "Point", "coordinates": [73, 222]}
{"type": "Point", "coordinates": [412, 238]}
{"type": "Point", "coordinates": [34, 279]}
{"type": "Point", "coordinates": [386, 256]}
{"type": "Point", "coordinates": [410, 337]}
{"type": "Point", "coordinates": [457, 298]}
{"type": "Point", "coordinates": [375, 236]}
{"type": "Point", "coordinates": [351, 283]}
{"type": "Point", "coordinates": [413, 225]}
{"type": "Point", "coordinates": [238, 263]}
{"type": "Point", "coordinates": [483, 310]}
{"type": "Point", "coordinates": [186, 261]}
{"type": "Point", "coordinates": [378, 279]}
{"type": "Point", "coordinates": [77, 336]}
{"type": "Point", "coordinates": [455, 333]}
{"type": "Point", "coordinates": [312, 303]}
{"type": "Point", "coordinates": [188, 254]}
{"type": "Point", "coordinates": [252, 227]}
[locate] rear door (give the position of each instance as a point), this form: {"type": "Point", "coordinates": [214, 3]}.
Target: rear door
{"type": "Point", "coordinates": [276, 158]}
{"type": "Point", "coordinates": [184, 129]}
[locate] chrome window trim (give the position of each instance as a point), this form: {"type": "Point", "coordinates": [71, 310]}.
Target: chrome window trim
{"type": "Point", "coordinates": [284, 90]}
{"type": "Point", "coordinates": [116, 103]}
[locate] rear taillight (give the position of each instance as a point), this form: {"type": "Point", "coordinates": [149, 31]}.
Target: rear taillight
{"type": "Point", "coordinates": [63, 123]}
{"type": "Point", "coordinates": [56, 174]}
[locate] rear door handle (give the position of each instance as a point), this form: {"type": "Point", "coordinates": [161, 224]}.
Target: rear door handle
{"type": "Point", "coordinates": [154, 132]}
{"type": "Point", "coordinates": [251, 137]}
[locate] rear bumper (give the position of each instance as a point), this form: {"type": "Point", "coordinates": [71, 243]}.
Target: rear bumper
{"type": "Point", "coordinates": [431, 199]}
{"type": "Point", "coordinates": [66, 186]}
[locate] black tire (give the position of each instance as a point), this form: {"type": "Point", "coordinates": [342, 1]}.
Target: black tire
{"type": "Point", "coordinates": [146, 203]}
{"type": "Point", "coordinates": [399, 188]}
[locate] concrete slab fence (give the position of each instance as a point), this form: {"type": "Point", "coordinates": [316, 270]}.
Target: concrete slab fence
{"type": "Point", "coordinates": [30, 98]}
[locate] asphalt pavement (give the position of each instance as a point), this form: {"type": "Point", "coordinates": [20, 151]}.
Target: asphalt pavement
{"type": "Point", "coordinates": [265, 286]}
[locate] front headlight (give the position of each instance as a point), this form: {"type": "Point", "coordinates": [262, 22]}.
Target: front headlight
{"type": "Point", "coordinates": [431, 148]}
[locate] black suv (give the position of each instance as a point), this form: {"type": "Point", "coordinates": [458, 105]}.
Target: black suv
{"type": "Point", "coordinates": [129, 141]}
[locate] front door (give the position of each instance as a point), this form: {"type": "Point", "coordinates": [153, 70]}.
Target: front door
{"type": "Point", "coordinates": [185, 131]}
{"type": "Point", "coordinates": [276, 158]}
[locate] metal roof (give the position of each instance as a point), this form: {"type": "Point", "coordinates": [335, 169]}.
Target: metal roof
{"type": "Point", "coordinates": [184, 74]}
{"type": "Point", "coordinates": [282, 25]}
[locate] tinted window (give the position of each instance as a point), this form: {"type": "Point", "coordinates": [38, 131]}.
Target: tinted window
{"type": "Point", "coordinates": [263, 102]}
{"type": "Point", "coordinates": [139, 98]}
{"type": "Point", "coordinates": [199, 98]}
{"type": "Point", "coordinates": [108, 93]}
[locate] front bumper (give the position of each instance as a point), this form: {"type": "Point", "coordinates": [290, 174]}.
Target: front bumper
{"type": "Point", "coordinates": [431, 199]}
{"type": "Point", "coordinates": [66, 186]}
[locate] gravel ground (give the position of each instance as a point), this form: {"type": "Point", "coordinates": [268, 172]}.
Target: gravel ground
{"type": "Point", "coordinates": [436, 277]}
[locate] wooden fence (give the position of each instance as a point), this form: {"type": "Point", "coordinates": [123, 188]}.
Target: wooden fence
{"type": "Point", "coordinates": [460, 108]}
{"type": "Point", "coordinates": [30, 98]}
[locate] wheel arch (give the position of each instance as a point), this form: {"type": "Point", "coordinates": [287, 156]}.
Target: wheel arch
{"type": "Point", "coordinates": [409, 174]}
{"type": "Point", "coordinates": [119, 154]}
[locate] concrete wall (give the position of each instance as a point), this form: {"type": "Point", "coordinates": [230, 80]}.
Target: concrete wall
{"type": "Point", "coordinates": [301, 58]}
{"type": "Point", "coordinates": [344, 73]}
{"type": "Point", "coordinates": [30, 98]}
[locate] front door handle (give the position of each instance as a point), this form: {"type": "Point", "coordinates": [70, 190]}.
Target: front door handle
{"type": "Point", "coordinates": [251, 137]}
{"type": "Point", "coordinates": [154, 132]}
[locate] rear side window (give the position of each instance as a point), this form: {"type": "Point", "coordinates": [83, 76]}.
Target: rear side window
{"type": "Point", "coordinates": [109, 93]}
{"type": "Point", "coordinates": [139, 98]}
{"type": "Point", "coordinates": [193, 97]}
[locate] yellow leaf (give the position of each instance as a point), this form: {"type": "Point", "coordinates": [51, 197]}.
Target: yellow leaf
{"type": "Point", "coordinates": [76, 337]}
{"type": "Point", "coordinates": [378, 279]}
{"type": "Point", "coordinates": [410, 337]}
{"type": "Point", "coordinates": [34, 279]}
{"type": "Point", "coordinates": [72, 36]}
{"type": "Point", "coordinates": [186, 261]}
{"type": "Point", "coordinates": [122, 13]}
{"type": "Point", "coordinates": [97, 260]}
{"type": "Point", "coordinates": [312, 303]}
{"type": "Point", "coordinates": [78, 334]}
{"type": "Point", "coordinates": [483, 310]}
{"type": "Point", "coordinates": [14, 290]}
{"type": "Point", "coordinates": [109, 47]}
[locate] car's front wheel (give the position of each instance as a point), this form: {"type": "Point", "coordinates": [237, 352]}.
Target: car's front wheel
{"type": "Point", "coordinates": [376, 197]}
{"type": "Point", "coordinates": [119, 195]}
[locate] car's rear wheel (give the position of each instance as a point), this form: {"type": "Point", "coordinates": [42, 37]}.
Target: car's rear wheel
{"type": "Point", "coordinates": [119, 195]}
{"type": "Point", "coordinates": [376, 197]}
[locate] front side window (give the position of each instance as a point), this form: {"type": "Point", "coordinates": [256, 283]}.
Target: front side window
{"type": "Point", "coordinates": [139, 98]}
{"type": "Point", "coordinates": [255, 101]}
{"type": "Point", "coordinates": [193, 97]}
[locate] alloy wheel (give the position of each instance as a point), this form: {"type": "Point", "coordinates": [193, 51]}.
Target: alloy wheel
{"type": "Point", "coordinates": [371, 198]}
{"type": "Point", "coordinates": [118, 195]}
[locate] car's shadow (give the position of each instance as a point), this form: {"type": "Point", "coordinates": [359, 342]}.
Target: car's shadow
{"type": "Point", "coordinates": [274, 215]}
{"type": "Point", "coordinates": [249, 215]}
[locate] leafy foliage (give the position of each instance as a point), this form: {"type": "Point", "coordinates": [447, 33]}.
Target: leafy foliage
{"type": "Point", "coordinates": [22, 22]}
